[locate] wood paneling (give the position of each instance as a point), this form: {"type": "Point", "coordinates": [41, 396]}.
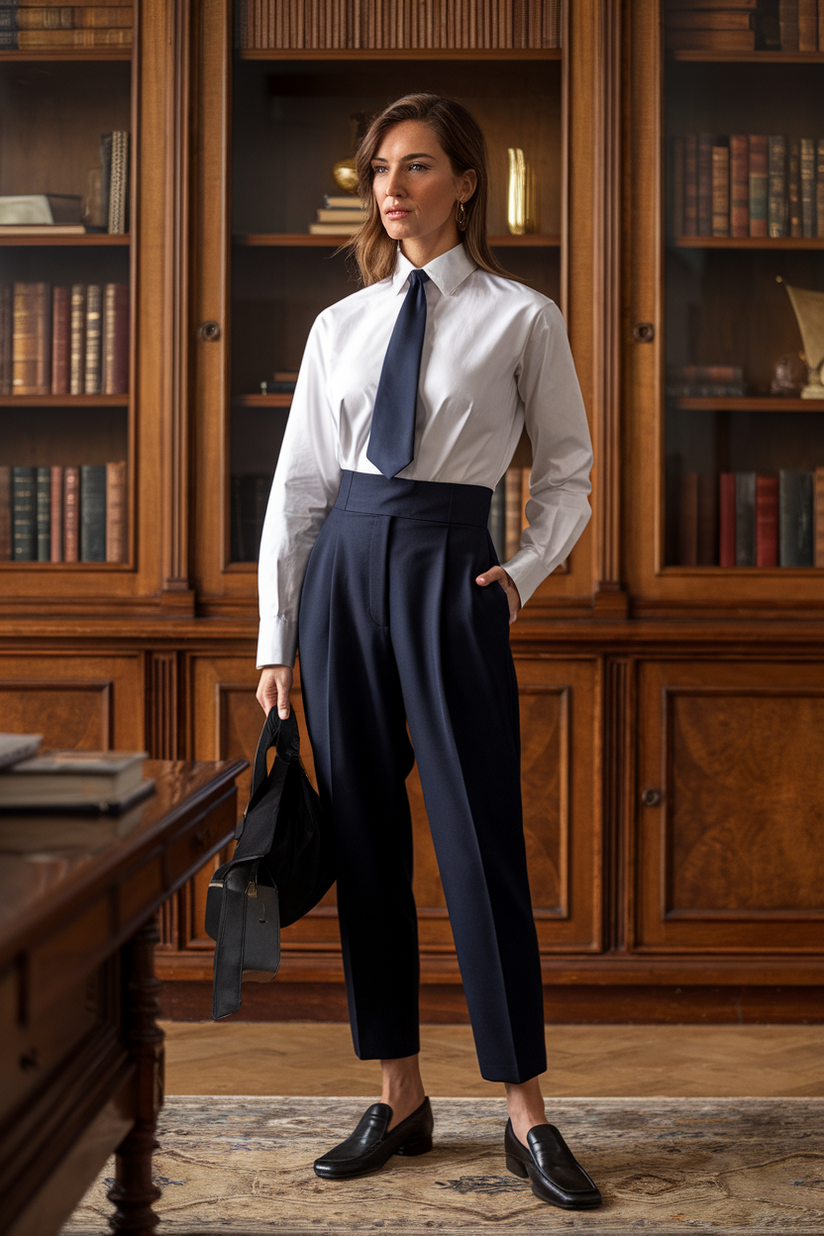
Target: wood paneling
{"type": "Point", "coordinates": [74, 700]}
{"type": "Point", "coordinates": [732, 856]}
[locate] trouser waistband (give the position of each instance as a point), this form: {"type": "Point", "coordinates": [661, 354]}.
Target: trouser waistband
{"type": "Point", "coordinates": [436, 501]}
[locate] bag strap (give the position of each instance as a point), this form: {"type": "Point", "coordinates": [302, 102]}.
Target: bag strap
{"type": "Point", "coordinates": [231, 936]}
{"type": "Point", "coordinates": [283, 736]}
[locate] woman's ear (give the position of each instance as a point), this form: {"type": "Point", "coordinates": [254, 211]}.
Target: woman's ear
{"type": "Point", "coordinates": [469, 182]}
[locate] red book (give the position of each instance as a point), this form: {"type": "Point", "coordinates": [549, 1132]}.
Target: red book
{"type": "Point", "coordinates": [56, 511]}
{"type": "Point", "coordinates": [71, 514]}
{"type": "Point", "coordinates": [726, 520]}
{"type": "Point", "coordinates": [116, 339]}
{"type": "Point", "coordinates": [61, 342]}
{"type": "Point", "coordinates": [739, 184]}
{"type": "Point", "coordinates": [766, 521]}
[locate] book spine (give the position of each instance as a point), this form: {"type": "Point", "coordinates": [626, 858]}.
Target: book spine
{"type": "Point", "coordinates": [777, 186]}
{"type": "Point", "coordinates": [807, 25]}
{"type": "Point", "coordinates": [758, 184]}
{"type": "Point", "coordinates": [688, 520]}
{"type": "Point", "coordinates": [821, 25]}
{"type": "Point", "coordinates": [720, 190]}
{"type": "Point", "coordinates": [43, 39]}
{"type": "Point", "coordinates": [71, 514]}
{"type": "Point", "coordinates": [5, 513]}
{"type": "Point", "coordinates": [6, 338]}
{"type": "Point", "coordinates": [710, 40]}
{"type": "Point", "coordinates": [691, 184]}
{"type": "Point", "coordinates": [818, 534]}
{"type": "Point", "coordinates": [794, 187]}
{"type": "Point", "coordinates": [788, 24]}
{"type": "Point", "coordinates": [795, 519]}
{"type": "Point", "coordinates": [707, 520]}
{"type": "Point", "coordinates": [116, 339]}
{"type": "Point", "coordinates": [118, 189]}
{"type": "Point", "coordinates": [61, 340]}
{"type": "Point", "coordinates": [819, 187]}
{"type": "Point", "coordinates": [93, 324]}
{"type": "Point", "coordinates": [766, 521]}
{"type": "Point", "coordinates": [43, 513]}
{"type": "Point", "coordinates": [705, 184]}
{"type": "Point", "coordinates": [512, 508]}
{"type": "Point", "coordinates": [93, 512]}
{"type": "Point", "coordinates": [56, 504]}
{"type": "Point", "coordinates": [739, 185]}
{"type": "Point", "coordinates": [744, 519]}
{"type": "Point", "coordinates": [808, 220]}
{"type": "Point", "coordinates": [24, 526]}
{"type": "Point", "coordinates": [726, 519]}
{"type": "Point", "coordinates": [77, 345]}
{"type": "Point", "coordinates": [678, 186]}
{"type": "Point", "coordinates": [31, 344]}
{"type": "Point", "coordinates": [105, 15]}
{"type": "Point", "coordinates": [60, 18]}
{"type": "Point", "coordinates": [116, 511]}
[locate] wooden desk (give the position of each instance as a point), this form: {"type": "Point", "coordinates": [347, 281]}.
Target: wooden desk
{"type": "Point", "coordinates": [81, 1055]}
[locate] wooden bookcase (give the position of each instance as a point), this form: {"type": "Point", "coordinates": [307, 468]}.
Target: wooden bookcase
{"type": "Point", "coordinates": [672, 716]}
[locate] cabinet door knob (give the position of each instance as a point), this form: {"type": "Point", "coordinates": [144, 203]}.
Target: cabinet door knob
{"type": "Point", "coordinates": [651, 798]}
{"type": "Point", "coordinates": [643, 332]}
{"type": "Point", "coordinates": [209, 332]}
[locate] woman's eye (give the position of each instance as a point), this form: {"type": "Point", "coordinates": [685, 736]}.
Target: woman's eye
{"type": "Point", "coordinates": [418, 166]}
{"type": "Point", "coordinates": [377, 170]}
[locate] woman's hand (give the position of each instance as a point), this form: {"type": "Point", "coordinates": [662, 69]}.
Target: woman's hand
{"type": "Point", "coordinates": [497, 575]}
{"type": "Point", "coordinates": [273, 689]}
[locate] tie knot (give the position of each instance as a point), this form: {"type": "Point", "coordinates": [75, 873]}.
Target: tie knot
{"type": "Point", "coordinates": [418, 276]}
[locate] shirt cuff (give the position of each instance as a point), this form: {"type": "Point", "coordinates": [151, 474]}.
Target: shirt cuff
{"type": "Point", "coordinates": [526, 570]}
{"type": "Point", "coordinates": [277, 642]}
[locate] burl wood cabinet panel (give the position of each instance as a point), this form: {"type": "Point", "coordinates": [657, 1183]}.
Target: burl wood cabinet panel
{"type": "Point", "coordinates": [559, 717]}
{"type": "Point", "coordinates": [729, 836]}
{"type": "Point", "coordinates": [74, 700]}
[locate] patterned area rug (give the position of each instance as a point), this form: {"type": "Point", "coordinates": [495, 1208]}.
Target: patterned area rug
{"type": "Point", "coordinates": [243, 1167]}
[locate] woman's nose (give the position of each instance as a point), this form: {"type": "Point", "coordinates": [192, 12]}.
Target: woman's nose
{"type": "Point", "coordinates": [394, 185]}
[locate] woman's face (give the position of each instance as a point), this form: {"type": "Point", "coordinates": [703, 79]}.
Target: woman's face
{"type": "Point", "coordinates": [415, 187]}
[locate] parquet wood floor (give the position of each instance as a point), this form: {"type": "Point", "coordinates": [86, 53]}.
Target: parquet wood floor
{"type": "Point", "coordinates": [317, 1059]}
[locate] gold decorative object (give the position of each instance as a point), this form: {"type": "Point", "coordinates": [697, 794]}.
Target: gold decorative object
{"type": "Point", "coordinates": [344, 172]}
{"type": "Point", "coordinates": [809, 311]}
{"type": "Point", "coordinates": [521, 213]}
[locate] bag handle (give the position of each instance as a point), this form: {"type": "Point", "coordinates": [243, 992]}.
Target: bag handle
{"type": "Point", "coordinates": [283, 735]}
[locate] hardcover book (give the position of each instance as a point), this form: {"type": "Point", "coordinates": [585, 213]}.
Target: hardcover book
{"type": "Point", "coordinates": [93, 512]}
{"type": "Point", "coordinates": [24, 512]}
{"type": "Point", "coordinates": [795, 519]}
{"type": "Point", "coordinates": [43, 514]}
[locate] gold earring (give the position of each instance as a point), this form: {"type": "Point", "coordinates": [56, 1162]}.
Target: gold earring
{"type": "Point", "coordinates": [461, 217]}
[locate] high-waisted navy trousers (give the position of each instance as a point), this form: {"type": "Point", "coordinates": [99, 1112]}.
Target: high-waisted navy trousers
{"type": "Point", "coordinates": [393, 628]}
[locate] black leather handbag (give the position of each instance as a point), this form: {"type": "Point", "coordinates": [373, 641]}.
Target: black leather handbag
{"type": "Point", "coordinates": [281, 867]}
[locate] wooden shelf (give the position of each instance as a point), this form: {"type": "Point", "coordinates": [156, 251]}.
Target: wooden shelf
{"type": "Point", "coordinates": [69, 53]}
{"type": "Point", "coordinates": [748, 242]}
{"type": "Point", "coordinates": [303, 240]}
{"type": "Point", "coordinates": [262, 401]}
{"type": "Point", "coordinates": [419, 53]}
{"type": "Point", "coordinates": [64, 401]}
{"type": "Point", "coordinates": [91, 238]}
{"type": "Point", "coordinates": [747, 403]}
{"type": "Point", "coordinates": [749, 57]}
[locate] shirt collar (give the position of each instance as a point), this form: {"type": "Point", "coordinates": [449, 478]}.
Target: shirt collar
{"type": "Point", "coordinates": [447, 272]}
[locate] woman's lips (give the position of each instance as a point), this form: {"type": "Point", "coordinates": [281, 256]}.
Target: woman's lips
{"type": "Point", "coordinates": [398, 213]}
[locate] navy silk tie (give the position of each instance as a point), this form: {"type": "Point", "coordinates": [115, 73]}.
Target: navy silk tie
{"type": "Point", "coordinates": [392, 438]}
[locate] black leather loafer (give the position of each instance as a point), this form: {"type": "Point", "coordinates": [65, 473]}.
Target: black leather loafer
{"type": "Point", "coordinates": [556, 1175]}
{"type": "Point", "coordinates": [369, 1147]}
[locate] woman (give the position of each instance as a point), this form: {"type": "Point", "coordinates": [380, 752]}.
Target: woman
{"type": "Point", "coordinates": [376, 558]}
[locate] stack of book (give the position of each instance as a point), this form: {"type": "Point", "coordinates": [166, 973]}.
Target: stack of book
{"type": "Point", "coordinates": [397, 23]}
{"type": "Point", "coordinates": [743, 25]}
{"type": "Point", "coordinates": [64, 340]}
{"type": "Point", "coordinates": [741, 519]}
{"type": "Point", "coordinates": [86, 781]}
{"type": "Point", "coordinates": [705, 381]}
{"type": "Point", "coordinates": [340, 216]}
{"type": "Point", "coordinates": [97, 23]}
{"type": "Point", "coordinates": [282, 382]}
{"type": "Point", "coordinates": [63, 514]}
{"type": "Point", "coordinates": [748, 185]}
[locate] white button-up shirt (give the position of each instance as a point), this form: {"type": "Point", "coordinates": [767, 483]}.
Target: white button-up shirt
{"type": "Point", "coordinates": [495, 358]}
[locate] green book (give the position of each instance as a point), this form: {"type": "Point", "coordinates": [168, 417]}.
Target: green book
{"type": "Point", "coordinates": [23, 498]}
{"type": "Point", "coordinates": [43, 506]}
{"type": "Point", "coordinates": [93, 513]}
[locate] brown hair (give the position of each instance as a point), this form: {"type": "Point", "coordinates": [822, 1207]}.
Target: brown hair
{"type": "Point", "coordinates": [462, 140]}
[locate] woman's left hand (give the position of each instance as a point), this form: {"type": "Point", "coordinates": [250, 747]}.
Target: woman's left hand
{"type": "Point", "coordinates": [497, 575]}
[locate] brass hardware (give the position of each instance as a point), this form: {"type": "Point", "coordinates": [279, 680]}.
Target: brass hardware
{"type": "Point", "coordinates": [209, 332]}
{"type": "Point", "coordinates": [651, 798]}
{"type": "Point", "coordinates": [643, 332]}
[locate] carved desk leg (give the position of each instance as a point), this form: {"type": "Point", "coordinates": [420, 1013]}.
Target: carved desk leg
{"type": "Point", "coordinates": [133, 1191]}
